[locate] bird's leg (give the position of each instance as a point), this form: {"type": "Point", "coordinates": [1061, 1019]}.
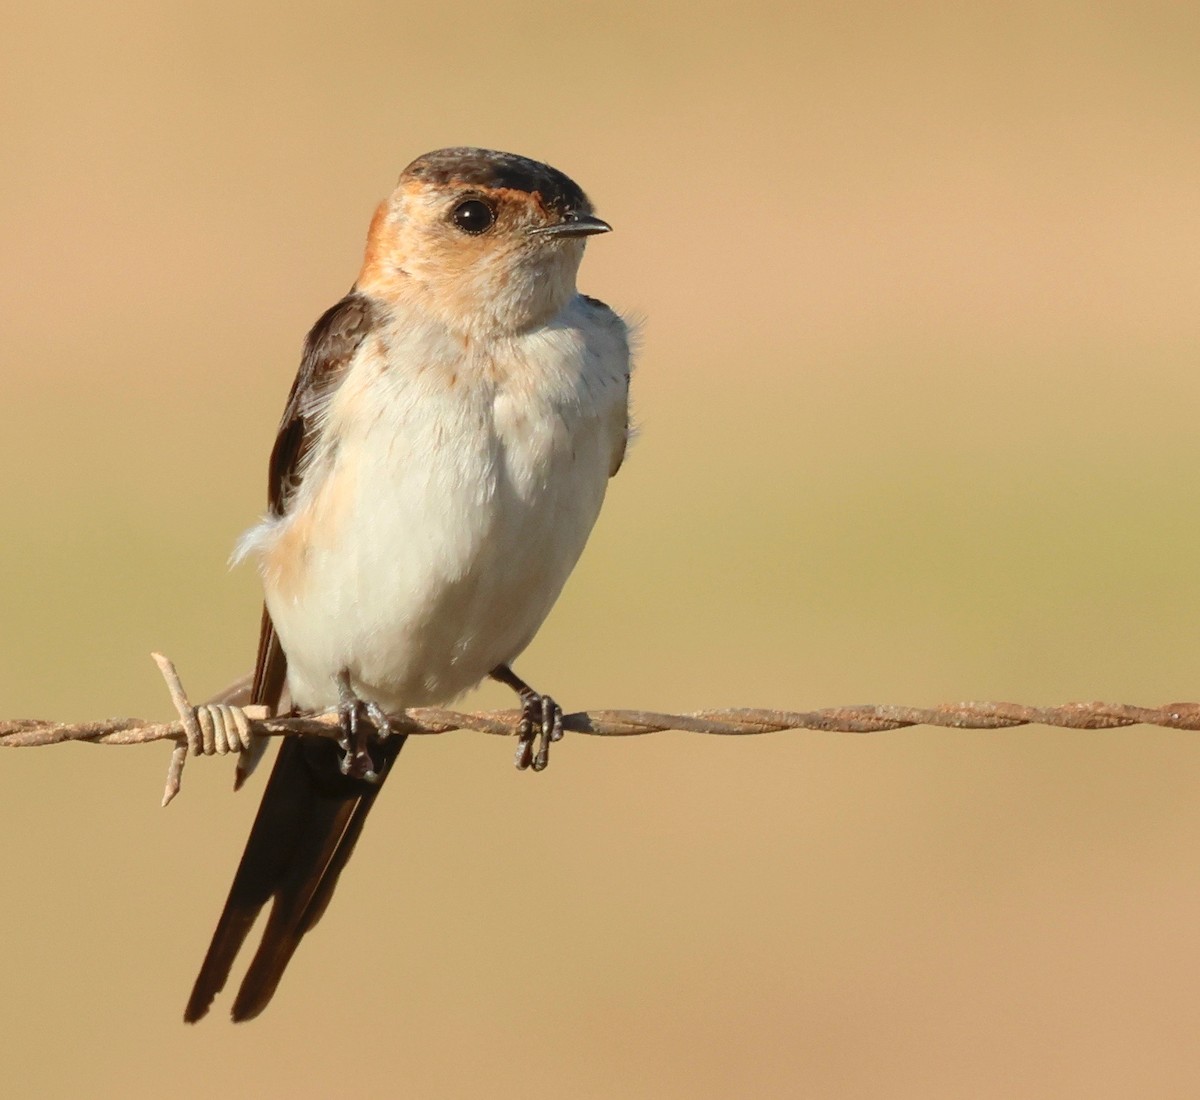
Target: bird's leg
{"type": "Point", "coordinates": [541, 720]}
{"type": "Point", "coordinates": [357, 761]}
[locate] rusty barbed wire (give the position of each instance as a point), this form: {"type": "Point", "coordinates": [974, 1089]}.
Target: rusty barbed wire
{"type": "Point", "coordinates": [736, 721]}
{"type": "Point", "coordinates": [188, 735]}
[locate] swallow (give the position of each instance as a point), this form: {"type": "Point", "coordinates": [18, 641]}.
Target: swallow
{"type": "Point", "coordinates": [442, 458]}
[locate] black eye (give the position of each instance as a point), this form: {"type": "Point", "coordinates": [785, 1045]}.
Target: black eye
{"type": "Point", "coordinates": [473, 216]}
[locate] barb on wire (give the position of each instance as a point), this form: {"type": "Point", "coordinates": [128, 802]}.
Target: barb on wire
{"type": "Point", "coordinates": [217, 728]}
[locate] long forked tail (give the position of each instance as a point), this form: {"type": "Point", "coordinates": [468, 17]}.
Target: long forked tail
{"type": "Point", "coordinates": [307, 825]}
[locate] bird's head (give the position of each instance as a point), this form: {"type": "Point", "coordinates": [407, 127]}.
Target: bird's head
{"type": "Point", "coordinates": [486, 242]}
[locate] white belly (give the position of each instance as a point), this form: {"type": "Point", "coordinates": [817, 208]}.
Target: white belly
{"type": "Point", "coordinates": [429, 545]}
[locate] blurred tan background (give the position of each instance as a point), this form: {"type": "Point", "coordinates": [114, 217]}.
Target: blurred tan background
{"type": "Point", "coordinates": [918, 390]}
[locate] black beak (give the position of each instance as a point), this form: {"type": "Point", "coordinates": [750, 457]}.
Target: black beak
{"type": "Point", "coordinates": [574, 225]}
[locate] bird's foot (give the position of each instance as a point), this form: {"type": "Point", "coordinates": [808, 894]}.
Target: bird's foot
{"type": "Point", "coordinates": [356, 759]}
{"type": "Point", "coordinates": [541, 721]}
{"type": "Point", "coordinates": [541, 725]}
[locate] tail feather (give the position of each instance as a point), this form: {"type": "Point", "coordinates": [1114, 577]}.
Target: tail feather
{"type": "Point", "coordinates": [306, 829]}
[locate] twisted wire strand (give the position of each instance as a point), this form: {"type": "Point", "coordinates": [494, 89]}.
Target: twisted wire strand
{"type": "Point", "coordinates": [730, 722]}
{"type": "Point", "coordinates": [194, 732]}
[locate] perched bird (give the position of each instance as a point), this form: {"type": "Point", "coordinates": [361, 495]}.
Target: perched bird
{"type": "Point", "coordinates": [441, 461]}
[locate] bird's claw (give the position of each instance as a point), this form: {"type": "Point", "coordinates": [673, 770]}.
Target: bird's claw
{"type": "Point", "coordinates": [356, 759]}
{"type": "Point", "coordinates": [541, 725]}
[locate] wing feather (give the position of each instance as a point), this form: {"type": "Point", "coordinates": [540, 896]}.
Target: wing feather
{"type": "Point", "coordinates": [328, 351]}
{"type": "Point", "coordinates": [310, 815]}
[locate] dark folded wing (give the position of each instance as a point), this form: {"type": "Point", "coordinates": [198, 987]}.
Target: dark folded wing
{"type": "Point", "coordinates": [310, 815]}
{"type": "Point", "coordinates": [328, 351]}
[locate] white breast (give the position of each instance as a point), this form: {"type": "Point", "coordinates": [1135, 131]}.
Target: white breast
{"type": "Point", "coordinates": [448, 501]}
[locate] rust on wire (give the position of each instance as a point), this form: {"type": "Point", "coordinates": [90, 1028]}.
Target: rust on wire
{"type": "Point", "coordinates": [197, 736]}
{"type": "Point", "coordinates": [737, 722]}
